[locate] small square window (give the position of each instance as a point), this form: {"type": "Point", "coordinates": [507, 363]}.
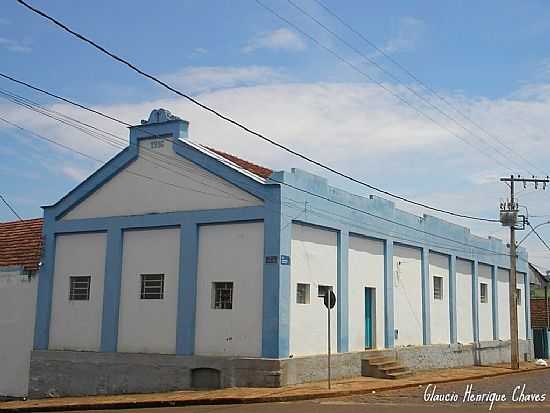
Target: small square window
{"type": "Point", "coordinates": [302, 293]}
{"type": "Point", "coordinates": [483, 289]}
{"type": "Point", "coordinates": [322, 290]}
{"type": "Point", "coordinates": [79, 289]}
{"type": "Point", "coordinates": [222, 295]}
{"type": "Point", "coordinates": [152, 286]}
{"type": "Point", "coordinates": [518, 296]}
{"type": "Point", "coordinates": [438, 288]}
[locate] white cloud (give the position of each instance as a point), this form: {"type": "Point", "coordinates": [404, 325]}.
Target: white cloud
{"type": "Point", "coordinates": [408, 34]}
{"type": "Point", "coordinates": [75, 173]}
{"type": "Point", "coordinates": [354, 127]}
{"type": "Point", "coordinates": [14, 46]}
{"type": "Point", "coordinates": [280, 39]}
{"type": "Point", "coordinates": [208, 78]}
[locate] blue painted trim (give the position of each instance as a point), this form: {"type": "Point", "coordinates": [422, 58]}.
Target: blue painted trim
{"type": "Point", "coordinates": [453, 325]}
{"type": "Point", "coordinates": [111, 290]}
{"type": "Point", "coordinates": [45, 287]}
{"type": "Point", "coordinates": [475, 299]}
{"type": "Point", "coordinates": [214, 216]}
{"type": "Point", "coordinates": [92, 183]}
{"type": "Point", "coordinates": [494, 287]}
{"type": "Point", "coordinates": [187, 289]}
{"type": "Point", "coordinates": [225, 172]}
{"type": "Point", "coordinates": [342, 287]}
{"type": "Point", "coordinates": [425, 273]}
{"type": "Point", "coordinates": [276, 281]}
{"type": "Point", "coordinates": [528, 332]}
{"type": "Point", "coordinates": [389, 313]}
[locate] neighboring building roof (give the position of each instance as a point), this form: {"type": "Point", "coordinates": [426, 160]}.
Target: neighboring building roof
{"type": "Point", "coordinates": [21, 243]}
{"type": "Point", "coordinates": [258, 170]}
{"type": "Point", "coordinates": [541, 278]}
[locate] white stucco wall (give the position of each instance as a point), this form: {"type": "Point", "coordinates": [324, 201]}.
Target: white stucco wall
{"type": "Point", "coordinates": [407, 293]}
{"type": "Point", "coordinates": [149, 326]}
{"type": "Point", "coordinates": [366, 269]}
{"type": "Point", "coordinates": [465, 327]}
{"type": "Point", "coordinates": [439, 309]}
{"type": "Point", "coordinates": [76, 325]}
{"type": "Point", "coordinates": [503, 277]}
{"type": "Point", "coordinates": [230, 252]}
{"type": "Point", "coordinates": [485, 309]}
{"type": "Point", "coordinates": [130, 194]}
{"type": "Point", "coordinates": [521, 308]}
{"type": "Point", "coordinates": [314, 262]}
{"type": "Point", "coordinates": [17, 311]}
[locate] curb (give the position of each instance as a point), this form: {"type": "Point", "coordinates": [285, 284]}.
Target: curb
{"type": "Point", "coordinates": [244, 400]}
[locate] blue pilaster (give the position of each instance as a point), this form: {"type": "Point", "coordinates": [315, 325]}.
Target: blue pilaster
{"type": "Point", "coordinates": [187, 289]}
{"type": "Point", "coordinates": [494, 285]}
{"type": "Point", "coordinates": [475, 300]}
{"type": "Point", "coordinates": [426, 323]}
{"type": "Point", "coordinates": [452, 300]}
{"type": "Point", "coordinates": [111, 290]}
{"type": "Point", "coordinates": [389, 313]}
{"type": "Point", "coordinates": [343, 291]}
{"type": "Point", "coordinates": [45, 287]}
{"type": "Point", "coordinates": [528, 334]}
{"type": "Point", "coordinates": [276, 281]}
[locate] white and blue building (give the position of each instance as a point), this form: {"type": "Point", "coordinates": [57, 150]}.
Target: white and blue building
{"type": "Point", "coordinates": [176, 265]}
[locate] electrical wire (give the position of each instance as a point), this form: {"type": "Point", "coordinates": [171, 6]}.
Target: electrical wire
{"type": "Point", "coordinates": [53, 141]}
{"type": "Point", "coordinates": [533, 229]}
{"type": "Point", "coordinates": [422, 83]}
{"type": "Point", "coordinates": [423, 98]}
{"type": "Point", "coordinates": [238, 124]}
{"type": "Point", "coordinates": [12, 209]}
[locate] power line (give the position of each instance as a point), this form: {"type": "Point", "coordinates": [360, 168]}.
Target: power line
{"type": "Point", "coordinates": [240, 125]}
{"type": "Point", "coordinates": [53, 141]}
{"type": "Point", "coordinates": [396, 79]}
{"type": "Point", "coordinates": [12, 209]}
{"type": "Point", "coordinates": [117, 142]}
{"type": "Point", "coordinates": [419, 81]}
{"type": "Point", "coordinates": [393, 236]}
{"type": "Point", "coordinates": [539, 237]}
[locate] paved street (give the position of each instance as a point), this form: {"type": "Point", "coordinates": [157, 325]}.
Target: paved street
{"type": "Point", "coordinates": [408, 400]}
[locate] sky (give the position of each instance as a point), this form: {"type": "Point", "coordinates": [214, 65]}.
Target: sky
{"type": "Point", "coordinates": [484, 113]}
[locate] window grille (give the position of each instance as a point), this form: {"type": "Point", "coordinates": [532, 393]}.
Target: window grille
{"type": "Point", "coordinates": [438, 288]}
{"type": "Point", "coordinates": [302, 293]}
{"type": "Point", "coordinates": [222, 295]}
{"type": "Point", "coordinates": [152, 286]}
{"type": "Point", "coordinates": [518, 296]}
{"type": "Point", "coordinates": [79, 289]}
{"type": "Point", "coordinates": [483, 288]}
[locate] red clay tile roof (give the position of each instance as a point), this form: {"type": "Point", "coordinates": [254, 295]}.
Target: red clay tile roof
{"type": "Point", "coordinates": [249, 166]}
{"type": "Point", "coordinates": [21, 243]}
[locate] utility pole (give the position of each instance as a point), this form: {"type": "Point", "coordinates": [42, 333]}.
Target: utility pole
{"type": "Point", "coordinates": [508, 217]}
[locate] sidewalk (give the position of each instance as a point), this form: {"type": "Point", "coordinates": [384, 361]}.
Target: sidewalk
{"type": "Point", "coordinates": [258, 395]}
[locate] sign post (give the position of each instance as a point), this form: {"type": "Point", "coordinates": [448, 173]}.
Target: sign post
{"type": "Point", "coordinates": [329, 300]}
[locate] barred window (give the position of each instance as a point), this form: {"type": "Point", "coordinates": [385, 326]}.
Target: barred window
{"type": "Point", "coordinates": [322, 290]}
{"type": "Point", "coordinates": [483, 288]}
{"type": "Point", "coordinates": [79, 288]}
{"type": "Point", "coordinates": [302, 293]}
{"type": "Point", "coordinates": [518, 296]}
{"type": "Point", "coordinates": [222, 295]}
{"type": "Point", "coordinates": [438, 288]}
{"type": "Point", "coordinates": [152, 286]}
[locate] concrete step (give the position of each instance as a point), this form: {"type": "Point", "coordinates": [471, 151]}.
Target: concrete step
{"type": "Point", "coordinates": [384, 363]}
{"type": "Point", "coordinates": [394, 369]}
{"type": "Point", "coordinates": [400, 375]}
{"type": "Point", "coordinates": [379, 359]}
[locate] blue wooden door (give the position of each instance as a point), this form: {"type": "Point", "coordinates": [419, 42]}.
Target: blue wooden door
{"type": "Point", "coordinates": [369, 341]}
